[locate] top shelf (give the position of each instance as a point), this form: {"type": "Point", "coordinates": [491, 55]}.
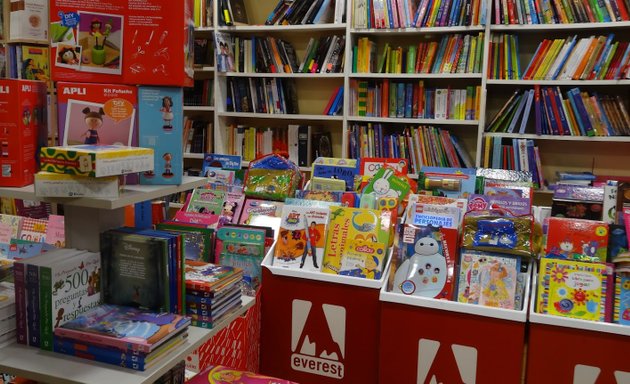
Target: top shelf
{"type": "Point", "coordinates": [130, 194]}
{"type": "Point", "coordinates": [416, 31]}
{"type": "Point", "coordinates": [555, 27]}
{"type": "Point", "coordinates": [283, 28]}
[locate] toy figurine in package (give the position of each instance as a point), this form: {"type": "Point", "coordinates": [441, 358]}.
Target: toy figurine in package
{"type": "Point", "coordinates": [427, 262]}
{"type": "Point", "coordinates": [498, 234]}
{"type": "Point", "coordinates": [272, 177]}
{"type": "Point", "coordinates": [575, 239]}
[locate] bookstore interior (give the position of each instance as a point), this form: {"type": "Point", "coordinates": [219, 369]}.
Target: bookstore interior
{"type": "Point", "coordinates": [268, 191]}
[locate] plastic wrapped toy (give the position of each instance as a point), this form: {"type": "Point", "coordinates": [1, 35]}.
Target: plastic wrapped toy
{"type": "Point", "coordinates": [272, 177]}
{"type": "Point", "coordinates": [490, 232]}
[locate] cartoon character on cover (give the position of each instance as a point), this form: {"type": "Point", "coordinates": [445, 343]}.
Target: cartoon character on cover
{"type": "Point", "coordinates": [167, 113]}
{"type": "Point", "coordinates": [224, 375]}
{"type": "Point", "coordinates": [589, 249]}
{"type": "Point", "coordinates": [292, 246]}
{"type": "Point", "coordinates": [424, 273]}
{"type": "Point", "coordinates": [495, 291]}
{"type": "Point", "coordinates": [312, 237]}
{"type": "Point", "coordinates": [93, 121]}
{"type": "Point", "coordinates": [382, 188]}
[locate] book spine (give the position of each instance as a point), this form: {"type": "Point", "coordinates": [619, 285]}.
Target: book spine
{"type": "Point", "coordinates": [45, 308]}
{"type": "Point", "coordinates": [32, 305]}
{"type": "Point", "coordinates": [120, 358]}
{"type": "Point", "coordinates": [19, 277]}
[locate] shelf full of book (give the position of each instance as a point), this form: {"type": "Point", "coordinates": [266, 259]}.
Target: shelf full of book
{"type": "Point", "coordinates": [49, 367]}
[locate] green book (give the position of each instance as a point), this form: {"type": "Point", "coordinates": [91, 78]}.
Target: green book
{"type": "Point", "coordinates": [197, 239]}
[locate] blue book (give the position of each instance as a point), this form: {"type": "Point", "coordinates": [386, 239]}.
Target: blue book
{"type": "Point", "coordinates": [526, 111]}
{"type": "Point", "coordinates": [439, 56]}
{"type": "Point", "coordinates": [581, 109]}
{"type": "Point", "coordinates": [567, 53]}
{"type": "Point", "coordinates": [455, 11]}
{"type": "Point", "coordinates": [602, 56]}
{"type": "Point", "coordinates": [534, 15]}
{"type": "Point", "coordinates": [519, 110]}
{"type": "Point", "coordinates": [564, 123]}
{"type": "Point", "coordinates": [578, 117]}
{"type": "Point", "coordinates": [408, 99]}
{"type": "Point", "coordinates": [400, 100]}
{"type": "Point", "coordinates": [127, 359]}
{"type": "Point", "coordinates": [389, 13]}
{"type": "Point", "coordinates": [515, 158]}
{"type": "Point", "coordinates": [496, 152]}
{"type": "Point", "coordinates": [322, 10]}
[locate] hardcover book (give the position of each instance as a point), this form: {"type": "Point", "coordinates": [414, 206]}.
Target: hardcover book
{"type": "Point", "coordinates": [576, 239]}
{"type": "Point", "coordinates": [203, 276]}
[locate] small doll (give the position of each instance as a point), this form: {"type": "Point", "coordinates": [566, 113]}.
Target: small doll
{"type": "Point", "coordinates": [167, 165]}
{"type": "Point", "coordinates": [93, 121]}
{"type": "Point", "coordinates": [167, 113]}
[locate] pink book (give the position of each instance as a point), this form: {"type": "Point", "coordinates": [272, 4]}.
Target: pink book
{"type": "Point", "coordinates": [220, 374]}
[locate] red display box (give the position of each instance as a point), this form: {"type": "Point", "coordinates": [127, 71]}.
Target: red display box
{"type": "Point", "coordinates": [319, 328]}
{"type": "Point", "coordinates": [574, 351]}
{"type": "Point", "coordinates": [23, 130]}
{"type": "Point", "coordinates": [423, 340]}
{"type": "Point", "coordinates": [145, 42]}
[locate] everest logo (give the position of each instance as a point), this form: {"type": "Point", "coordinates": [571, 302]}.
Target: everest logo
{"type": "Point", "coordinates": [318, 338]}
{"type": "Point", "coordinates": [433, 365]}
{"type": "Point", "coordinates": [586, 374]}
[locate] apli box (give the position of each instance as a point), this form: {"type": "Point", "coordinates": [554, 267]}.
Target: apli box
{"type": "Point", "coordinates": [97, 114]}
{"type": "Point", "coordinates": [22, 130]}
{"type": "Point", "coordinates": [48, 184]}
{"type": "Point", "coordinates": [161, 119]}
{"type": "Point", "coordinates": [96, 160]}
{"type": "Point", "coordinates": [117, 41]}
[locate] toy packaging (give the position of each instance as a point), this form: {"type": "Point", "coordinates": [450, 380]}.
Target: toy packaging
{"type": "Point", "coordinates": [449, 182]}
{"type": "Point", "coordinates": [97, 114]}
{"type": "Point", "coordinates": [116, 41]}
{"type": "Point", "coordinates": [96, 160]}
{"type": "Point", "coordinates": [575, 239]}
{"type": "Point", "coordinates": [160, 120]}
{"type": "Point", "coordinates": [24, 130]}
{"type": "Point", "coordinates": [509, 205]}
{"type": "Point", "coordinates": [48, 184]}
{"type": "Point", "coordinates": [333, 168]}
{"type": "Point", "coordinates": [386, 184]}
{"type": "Point", "coordinates": [302, 237]}
{"type": "Point", "coordinates": [575, 289]}
{"type": "Point", "coordinates": [578, 202]}
{"type": "Point", "coordinates": [488, 279]}
{"type": "Point", "coordinates": [272, 177]}
{"type": "Point", "coordinates": [427, 262]}
{"type": "Point", "coordinates": [486, 232]}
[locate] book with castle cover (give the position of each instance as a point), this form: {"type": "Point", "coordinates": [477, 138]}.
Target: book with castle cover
{"type": "Point", "coordinates": [576, 289]}
{"type": "Point", "coordinates": [144, 331]}
{"type": "Point", "coordinates": [301, 239]}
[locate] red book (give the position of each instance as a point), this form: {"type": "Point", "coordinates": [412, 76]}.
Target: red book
{"type": "Point", "coordinates": [331, 100]}
{"type": "Point", "coordinates": [621, 5]}
{"type": "Point", "coordinates": [554, 109]}
{"type": "Point", "coordinates": [537, 60]}
{"type": "Point", "coordinates": [512, 12]}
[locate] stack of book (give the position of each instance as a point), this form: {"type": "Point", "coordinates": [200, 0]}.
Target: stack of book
{"type": "Point", "coordinates": [559, 12]}
{"type": "Point", "coordinates": [7, 312]}
{"type": "Point", "coordinates": [123, 336]}
{"type": "Point", "coordinates": [261, 95]}
{"type": "Point", "coordinates": [301, 12]}
{"type": "Point", "coordinates": [212, 292]}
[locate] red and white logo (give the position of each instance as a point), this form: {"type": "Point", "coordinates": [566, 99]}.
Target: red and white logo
{"type": "Point", "coordinates": [435, 364]}
{"type": "Point", "coordinates": [318, 337]}
{"type": "Point", "coordinates": [587, 374]}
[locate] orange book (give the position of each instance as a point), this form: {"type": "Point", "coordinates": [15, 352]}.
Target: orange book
{"type": "Point", "coordinates": [447, 53]}
{"type": "Point", "coordinates": [537, 59]}
{"type": "Point", "coordinates": [568, 111]}
{"type": "Point", "coordinates": [589, 51]}
{"type": "Point", "coordinates": [601, 41]}
{"type": "Point", "coordinates": [421, 52]}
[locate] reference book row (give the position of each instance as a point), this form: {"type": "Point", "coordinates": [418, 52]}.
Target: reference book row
{"type": "Point", "coordinates": [413, 100]}
{"type": "Point", "coordinates": [421, 146]}
{"type": "Point", "coordinates": [380, 14]}
{"type": "Point", "coordinates": [559, 11]}
{"type": "Point", "coordinates": [261, 95]}
{"type": "Point", "coordinates": [274, 55]}
{"type": "Point", "coordinates": [577, 113]}
{"type": "Point", "coordinates": [300, 12]}
{"type": "Point", "coordinates": [198, 137]}
{"type": "Point", "coordinates": [201, 93]}
{"type": "Point", "coordinates": [513, 154]}
{"type": "Point", "coordinates": [453, 54]}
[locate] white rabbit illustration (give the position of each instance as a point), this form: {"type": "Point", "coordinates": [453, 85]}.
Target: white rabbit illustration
{"type": "Point", "coordinates": [382, 188]}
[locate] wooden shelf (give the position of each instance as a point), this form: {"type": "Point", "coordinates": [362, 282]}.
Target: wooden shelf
{"type": "Point", "coordinates": [130, 194]}
{"type": "Point", "coordinates": [562, 27]}
{"type": "Point", "coordinates": [573, 83]}
{"type": "Point", "coordinates": [416, 31]}
{"type": "Point", "coordinates": [306, 28]}
{"type": "Point", "coordinates": [610, 139]}
{"type": "Point", "coordinates": [50, 367]}
{"type": "Point", "coordinates": [477, 76]}
{"type": "Point", "coordinates": [281, 116]}
{"type": "Point", "coordinates": [413, 120]}
{"type": "Point", "coordinates": [289, 75]}
{"type": "Point", "coordinates": [198, 108]}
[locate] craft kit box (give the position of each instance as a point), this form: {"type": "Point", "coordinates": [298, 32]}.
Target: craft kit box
{"type": "Point", "coordinates": [97, 114]}
{"type": "Point", "coordinates": [96, 160]}
{"type": "Point", "coordinates": [22, 130]}
{"type": "Point", "coordinates": [161, 121]}
{"type": "Point", "coordinates": [49, 184]}
{"type": "Point", "coordinates": [116, 41]}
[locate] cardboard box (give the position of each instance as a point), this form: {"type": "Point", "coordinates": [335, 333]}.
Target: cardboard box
{"type": "Point", "coordinates": [161, 121]}
{"type": "Point", "coordinates": [49, 184]}
{"type": "Point", "coordinates": [116, 41]}
{"type": "Point", "coordinates": [97, 114]}
{"type": "Point", "coordinates": [28, 21]}
{"type": "Point", "coordinates": [22, 130]}
{"type": "Point", "coordinates": [96, 160]}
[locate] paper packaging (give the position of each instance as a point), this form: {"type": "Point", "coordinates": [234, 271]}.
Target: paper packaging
{"type": "Point", "coordinates": [22, 130]}
{"type": "Point", "coordinates": [146, 42]}
{"type": "Point", "coordinates": [61, 185]}
{"type": "Point", "coordinates": [96, 160]}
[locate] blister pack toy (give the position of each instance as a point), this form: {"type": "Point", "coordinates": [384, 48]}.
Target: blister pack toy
{"type": "Point", "coordinates": [488, 231]}
{"type": "Point", "coordinates": [272, 177]}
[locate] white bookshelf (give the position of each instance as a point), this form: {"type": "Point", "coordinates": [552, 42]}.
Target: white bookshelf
{"type": "Point", "coordinates": [572, 83]}
{"type": "Point", "coordinates": [53, 368]}
{"type": "Point", "coordinates": [611, 139]}
{"type": "Point", "coordinates": [285, 75]}
{"type": "Point", "coordinates": [198, 108]}
{"type": "Point", "coordinates": [279, 116]}
{"type": "Point", "coordinates": [395, 76]}
{"type": "Point", "coordinates": [307, 28]}
{"type": "Point", "coordinates": [559, 27]}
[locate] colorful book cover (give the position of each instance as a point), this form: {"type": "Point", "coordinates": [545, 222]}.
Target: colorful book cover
{"type": "Point", "coordinates": [470, 286]}
{"type": "Point", "coordinates": [332, 196]}
{"type": "Point", "coordinates": [326, 184]}
{"type": "Point", "coordinates": [242, 248]}
{"type": "Point", "coordinates": [197, 239]}
{"type": "Point", "coordinates": [206, 276]}
{"type": "Point", "coordinates": [427, 262]}
{"type": "Point", "coordinates": [223, 375]}
{"type": "Point", "coordinates": [346, 226]}
{"type": "Point", "coordinates": [216, 160]}
{"type": "Point", "coordinates": [386, 184]}
{"type": "Point", "coordinates": [509, 205]}
{"type": "Point", "coordinates": [14, 222]}
{"type": "Point", "coordinates": [35, 63]}
{"type": "Point", "coordinates": [301, 237]}
{"type": "Point", "coordinates": [342, 169]}
{"type": "Point", "coordinates": [56, 231]}
{"type": "Point", "coordinates": [34, 230]}
{"type": "Point", "coordinates": [206, 201]}
{"type": "Point", "coordinates": [463, 185]}
{"type": "Point", "coordinates": [577, 239]}
{"type": "Point", "coordinates": [160, 126]}
{"type": "Point", "coordinates": [446, 216]}
{"type": "Point", "coordinates": [572, 288]}
{"type": "Point", "coordinates": [371, 165]}
{"type": "Point", "coordinates": [621, 313]}
{"type": "Point", "coordinates": [143, 330]}
{"type": "Point", "coordinates": [260, 207]}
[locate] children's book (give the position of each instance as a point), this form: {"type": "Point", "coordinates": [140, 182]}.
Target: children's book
{"type": "Point", "coordinates": [125, 328]}
{"type": "Point", "coordinates": [333, 196]}
{"type": "Point", "coordinates": [206, 201]}
{"type": "Point", "coordinates": [371, 165]}
{"type": "Point", "coordinates": [506, 204]}
{"type": "Point", "coordinates": [426, 263]}
{"type": "Point", "coordinates": [242, 248]}
{"type": "Point", "coordinates": [621, 312]}
{"type": "Point", "coordinates": [301, 239]}
{"type": "Point", "coordinates": [573, 288]}
{"type": "Point", "coordinates": [34, 230]}
{"type": "Point", "coordinates": [14, 222]}
{"type": "Point", "coordinates": [197, 239]}
{"type": "Point", "coordinates": [449, 182]}
{"type": "Point", "coordinates": [577, 239]}
{"type": "Point", "coordinates": [260, 207]}
{"type": "Point", "coordinates": [447, 216]}
{"type": "Point", "coordinates": [345, 227]}
{"type": "Point", "coordinates": [216, 160]}
{"type": "Point", "coordinates": [55, 231]}
{"type": "Point", "coordinates": [219, 374]}
{"type": "Point", "coordinates": [333, 168]}
{"type": "Point", "coordinates": [326, 184]}
{"type": "Point", "coordinates": [232, 207]}
{"type": "Point", "coordinates": [479, 270]}
{"type": "Point", "coordinates": [386, 184]}
{"type": "Point", "coordinates": [204, 276]}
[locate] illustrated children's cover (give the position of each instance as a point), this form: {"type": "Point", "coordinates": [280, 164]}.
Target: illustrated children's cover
{"type": "Point", "coordinates": [197, 238]}
{"type": "Point", "coordinates": [622, 299]}
{"type": "Point", "coordinates": [207, 201]}
{"type": "Point", "coordinates": [487, 278]}
{"type": "Point", "coordinates": [160, 126]}
{"type": "Point", "coordinates": [204, 276]}
{"type": "Point", "coordinates": [346, 226]}
{"type": "Point", "coordinates": [260, 207]}
{"type": "Point", "coordinates": [242, 248]}
{"type": "Point", "coordinates": [573, 288]}
{"type": "Point", "coordinates": [302, 237]}
{"type": "Point", "coordinates": [447, 216]}
{"type": "Point", "coordinates": [577, 239]}
{"type": "Point", "coordinates": [220, 374]}
{"type": "Point", "coordinates": [426, 265]}
{"type": "Point", "coordinates": [386, 184]}
{"type": "Point", "coordinates": [333, 168]}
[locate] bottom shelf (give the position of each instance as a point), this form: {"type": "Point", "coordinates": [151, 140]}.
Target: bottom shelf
{"type": "Point", "coordinates": [50, 367]}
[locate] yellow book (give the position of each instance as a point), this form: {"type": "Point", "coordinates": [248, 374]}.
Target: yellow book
{"type": "Point", "coordinates": [548, 59]}
{"type": "Point", "coordinates": [568, 111]}
{"type": "Point", "coordinates": [477, 102]}
{"type": "Point", "coordinates": [592, 114]}
{"type": "Point", "coordinates": [486, 151]}
{"type": "Point", "coordinates": [471, 55]}
{"type": "Point", "coordinates": [434, 12]}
